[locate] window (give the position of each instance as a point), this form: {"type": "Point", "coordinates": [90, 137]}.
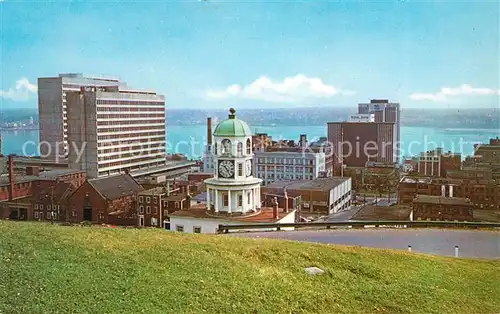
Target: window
{"type": "Point", "coordinates": [179, 228]}
{"type": "Point", "coordinates": [240, 169]}
{"type": "Point", "coordinates": [141, 209]}
{"type": "Point", "coordinates": [225, 200]}
{"type": "Point", "coordinates": [240, 149]}
{"type": "Point", "coordinates": [36, 215]}
{"type": "Point", "coordinates": [36, 206]}
{"type": "Point", "coordinates": [148, 199]}
{"type": "Point", "coordinates": [49, 207]}
{"type": "Point", "coordinates": [240, 200]}
{"type": "Point", "coordinates": [148, 209]}
{"type": "Point", "coordinates": [196, 229]}
{"type": "Point", "coordinates": [155, 210]}
{"type": "Point", "coordinates": [41, 216]}
{"type": "Point", "coordinates": [248, 197]}
{"type": "Point", "coordinates": [141, 199]}
{"type": "Point", "coordinates": [155, 200]}
{"type": "Point", "coordinates": [249, 147]}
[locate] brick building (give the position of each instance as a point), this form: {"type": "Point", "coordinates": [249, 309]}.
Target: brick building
{"type": "Point", "coordinates": [356, 143]}
{"type": "Point", "coordinates": [49, 202]}
{"type": "Point", "coordinates": [427, 207]}
{"type": "Point", "coordinates": [483, 194]}
{"type": "Point", "coordinates": [437, 163]}
{"type": "Point", "coordinates": [17, 189]}
{"type": "Point", "coordinates": [109, 200]}
{"type": "Point", "coordinates": [155, 205]}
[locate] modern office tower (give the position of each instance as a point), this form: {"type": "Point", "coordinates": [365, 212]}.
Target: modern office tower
{"type": "Point", "coordinates": [115, 129]}
{"type": "Point", "coordinates": [385, 111]}
{"type": "Point", "coordinates": [52, 109]}
{"type": "Point", "coordinates": [356, 143]}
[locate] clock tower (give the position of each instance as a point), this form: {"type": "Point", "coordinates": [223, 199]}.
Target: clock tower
{"type": "Point", "coordinates": [233, 189]}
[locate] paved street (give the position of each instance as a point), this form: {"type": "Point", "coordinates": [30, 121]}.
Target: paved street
{"type": "Point", "coordinates": [484, 244]}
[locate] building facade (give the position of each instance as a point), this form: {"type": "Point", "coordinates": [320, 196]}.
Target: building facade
{"type": "Point", "coordinates": [107, 200]}
{"type": "Point", "coordinates": [53, 109]}
{"type": "Point", "coordinates": [356, 143]}
{"type": "Point", "coordinates": [437, 163]}
{"type": "Point", "coordinates": [483, 194]}
{"type": "Point", "coordinates": [319, 196]}
{"type": "Point", "coordinates": [385, 111]}
{"type": "Point", "coordinates": [112, 130]}
{"type": "Point", "coordinates": [272, 166]}
{"type": "Point", "coordinates": [426, 207]}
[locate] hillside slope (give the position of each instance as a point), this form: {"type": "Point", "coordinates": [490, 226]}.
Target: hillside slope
{"type": "Point", "coordinates": [53, 269]}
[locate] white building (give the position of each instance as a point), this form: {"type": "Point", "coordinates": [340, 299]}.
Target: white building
{"type": "Point", "coordinates": [279, 165]}
{"type": "Point", "coordinates": [113, 130]}
{"type": "Point", "coordinates": [52, 109]}
{"type": "Point", "coordinates": [233, 194]}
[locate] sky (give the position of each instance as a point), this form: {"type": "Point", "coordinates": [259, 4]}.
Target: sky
{"type": "Point", "coordinates": [258, 54]}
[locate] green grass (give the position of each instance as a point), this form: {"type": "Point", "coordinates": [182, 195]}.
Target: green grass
{"type": "Point", "coordinates": [54, 269]}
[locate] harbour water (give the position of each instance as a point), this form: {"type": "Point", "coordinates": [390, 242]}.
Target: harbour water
{"type": "Point", "coordinates": [190, 140]}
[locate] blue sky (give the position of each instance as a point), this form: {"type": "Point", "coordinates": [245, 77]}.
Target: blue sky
{"type": "Point", "coordinates": [259, 54]}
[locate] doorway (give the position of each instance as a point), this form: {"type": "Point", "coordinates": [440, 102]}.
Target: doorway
{"type": "Point", "coordinates": [141, 221]}
{"type": "Point", "coordinates": [87, 213]}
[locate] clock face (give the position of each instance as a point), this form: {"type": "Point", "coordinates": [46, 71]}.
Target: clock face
{"type": "Point", "coordinates": [226, 169]}
{"type": "Point", "coordinates": [248, 167]}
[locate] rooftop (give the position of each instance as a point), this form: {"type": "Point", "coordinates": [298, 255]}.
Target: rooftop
{"type": "Point", "coordinates": [46, 175]}
{"type": "Point", "coordinates": [319, 184]}
{"type": "Point", "coordinates": [422, 180]}
{"type": "Point", "coordinates": [114, 187]}
{"type": "Point", "coordinates": [430, 199]}
{"type": "Point", "coordinates": [262, 216]}
{"type": "Point", "coordinates": [374, 212]}
{"type": "Point", "coordinates": [232, 127]}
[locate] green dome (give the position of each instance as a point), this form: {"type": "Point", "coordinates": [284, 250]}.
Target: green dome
{"type": "Point", "coordinates": [232, 127]}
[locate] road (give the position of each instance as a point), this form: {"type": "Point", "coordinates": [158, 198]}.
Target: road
{"type": "Point", "coordinates": [482, 244]}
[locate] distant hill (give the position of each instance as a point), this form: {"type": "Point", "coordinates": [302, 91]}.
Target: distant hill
{"type": "Point", "coordinates": [48, 268]}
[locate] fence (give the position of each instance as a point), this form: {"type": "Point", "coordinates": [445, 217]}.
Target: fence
{"type": "Point", "coordinates": [359, 224]}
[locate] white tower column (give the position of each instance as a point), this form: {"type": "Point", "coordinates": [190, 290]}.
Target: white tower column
{"type": "Point", "coordinates": [208, 198]}
{"type": "Point", "coordinates": [244, 204]}
{"type": "Point", "coordinates": [216, 205]}
{"type": "Point", "coordinates": [229, 201]}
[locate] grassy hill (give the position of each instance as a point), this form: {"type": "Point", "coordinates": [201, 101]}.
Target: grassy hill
{"type": "Point", "coordinates": [53, 269]}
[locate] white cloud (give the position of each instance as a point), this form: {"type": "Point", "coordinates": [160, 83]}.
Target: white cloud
{"type": "Point", "coordinates": [448, 93]}
{"type": "Point", "coordinates": [22, 91]}
{"type": "Point", "coordinates": [291, 89]}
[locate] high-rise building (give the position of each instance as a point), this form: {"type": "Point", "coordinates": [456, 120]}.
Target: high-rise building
{"type": "Point", "coordinates": [356, 143]}
{"type": "Point", "coordinates": [385, 111]}
{"type": "Point", "coordinates": [208, 156]}
{"type": "Point", "coordinates": [115, 129]}
{"type": "Point", "coordinates": [52, 109]}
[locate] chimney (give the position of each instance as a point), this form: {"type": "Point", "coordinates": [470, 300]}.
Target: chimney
{"type": "Point", "coordinates": [285, 206]}
{"type": "Point", "coordinates": [275, 208]}
{"type": "Point", "coordinates": [209, 131]}
{"type": "Point", "coordinates": [11, 178]}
